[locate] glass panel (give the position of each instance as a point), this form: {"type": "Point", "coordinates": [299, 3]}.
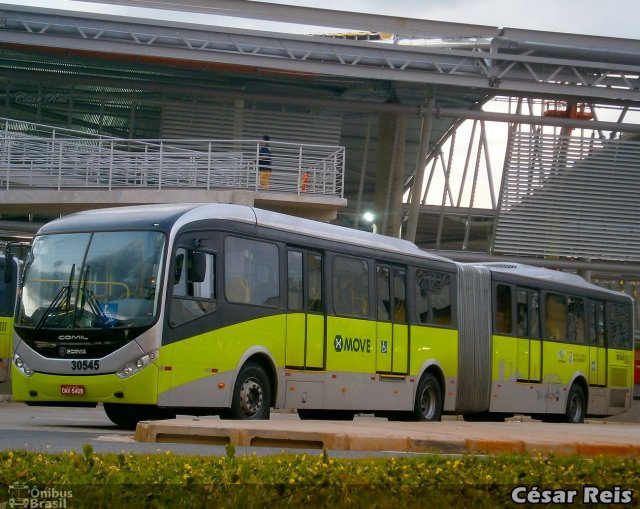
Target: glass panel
{"type": "Point", "coordinates": [384, 300]}
{"type": "Point", "coordinates": [522, 312]}
{"type": "Point", "coordinates": [351, 287]}
{"type": "Point", "coordinates": [575, 320]}
{"type": "Point", "coordinates": [504, 320]}
{"type": "Point", "coordinates": [600, 324]}
{"type": "Point", "coordinates": [556, 316]}
{"type": "Point", "coordinates": [120, 275]}
{"type": "Point", "coordinates": [115, 286]}
{"type": "Point", "coordinates": [193, 286]}
{"type": "Point", "coordinates": [314, 268]}
{"type": "Point", "coordinates": [7, 295]}
{"type": "Point", "coordinates": [534, 314]}
{"type": "Point", "coordinates": [433, 297]}
{"type": "Point", "coordinates": [620, 326]}
{"type": "Point", "coordinates": [399, 297]}
{"type": "Point", "coordinates": [294, 281]}
{"type": "Point", "coordinates": [251, 272]}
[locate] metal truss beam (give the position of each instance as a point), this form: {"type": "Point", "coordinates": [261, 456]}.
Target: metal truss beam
{"type": "Point", "coordinates": [501, 68]}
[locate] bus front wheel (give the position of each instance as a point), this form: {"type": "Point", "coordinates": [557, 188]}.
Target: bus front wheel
{"type": "Point", "coordinates": [251, 393]}
{"type": "Point", "coordinates": [127, 416]}
{"type": "Point", "coordinates": [428, 404]}
{"type": "Point", "coordinates": [576, 405]}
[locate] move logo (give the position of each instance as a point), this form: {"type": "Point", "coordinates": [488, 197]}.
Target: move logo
{"type": "Point", "coordinates": [346, 344]}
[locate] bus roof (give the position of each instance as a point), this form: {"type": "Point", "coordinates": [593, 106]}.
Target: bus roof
{"type": "Point", "coordinates": [171, 216]}
{"type": "Point", "coordinates": [545, 274]}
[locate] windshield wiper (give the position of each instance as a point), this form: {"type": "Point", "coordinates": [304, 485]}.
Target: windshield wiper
{"type": "Point", "coordinates": [65, 291]}
{"type": "Point", "coordinates": [94, 306]}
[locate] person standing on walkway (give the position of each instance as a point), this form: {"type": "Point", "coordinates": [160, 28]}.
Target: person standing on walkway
{"type": "Point", "coordinates": [264, 162]}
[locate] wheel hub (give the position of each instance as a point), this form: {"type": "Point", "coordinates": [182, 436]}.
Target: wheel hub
{"type": "Point", "coordinates": [250, 397]}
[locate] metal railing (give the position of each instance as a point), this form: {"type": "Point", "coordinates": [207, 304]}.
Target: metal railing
{"type": "Point", "coordinates": [36, 156]}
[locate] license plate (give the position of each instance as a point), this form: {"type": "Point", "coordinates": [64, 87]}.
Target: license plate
{"type": "Point", "coordinates": [73, 390]}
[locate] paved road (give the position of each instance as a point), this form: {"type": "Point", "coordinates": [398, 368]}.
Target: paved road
{"type": "Point", "coordinates": [58, 429]}
{"type": "Point", "coordinates": [53, 429]}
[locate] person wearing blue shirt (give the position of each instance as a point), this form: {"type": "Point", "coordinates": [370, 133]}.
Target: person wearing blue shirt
{"type": "Point", "coordinates": [264, 162]}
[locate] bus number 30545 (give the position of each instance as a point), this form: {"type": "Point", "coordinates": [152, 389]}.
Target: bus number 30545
{"type": "Point", "coordinates": [85, 365]}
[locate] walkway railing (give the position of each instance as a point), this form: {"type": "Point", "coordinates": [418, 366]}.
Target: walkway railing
{"type": "Point", "coordinates": [35, 156]}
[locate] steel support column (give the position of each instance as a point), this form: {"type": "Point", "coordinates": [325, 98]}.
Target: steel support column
{"type": "Point", "coordinates": [421, 168]}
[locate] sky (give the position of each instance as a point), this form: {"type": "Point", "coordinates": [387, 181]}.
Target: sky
{"type": "Point", "coordinates": [615, 18]}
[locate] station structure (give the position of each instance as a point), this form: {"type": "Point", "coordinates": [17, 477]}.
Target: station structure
{"type": "Point", "coordinates": [478, 142]}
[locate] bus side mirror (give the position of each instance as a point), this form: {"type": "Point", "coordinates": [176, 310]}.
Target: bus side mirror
{"type": "Point", "coordinates": [11, 267]}
{"type": "Point", "coordinates": [198, 267]}
{"type": "Point", "coordinates": [177, 274]}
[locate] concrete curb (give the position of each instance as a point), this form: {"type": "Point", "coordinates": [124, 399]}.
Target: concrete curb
{"type": "Point", "coordinates": [452, 437]}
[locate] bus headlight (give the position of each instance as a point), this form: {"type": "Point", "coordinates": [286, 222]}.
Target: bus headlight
{"type": "Point", "coordinates": [22, 366]}
{"type": "Point", "coordinates": [132, 368]}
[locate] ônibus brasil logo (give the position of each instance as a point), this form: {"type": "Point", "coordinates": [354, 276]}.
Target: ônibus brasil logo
{"type": "Point", "coordinates": [346, 344]}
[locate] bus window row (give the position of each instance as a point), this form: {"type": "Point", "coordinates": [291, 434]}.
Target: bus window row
{"type": "Point", "coordinates": [540, 314]}
{"type": "Point", "coordinates": [359, 288]}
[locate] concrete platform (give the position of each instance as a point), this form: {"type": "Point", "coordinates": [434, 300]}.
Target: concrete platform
{"type": "Point", "coordinates": [452, 436]}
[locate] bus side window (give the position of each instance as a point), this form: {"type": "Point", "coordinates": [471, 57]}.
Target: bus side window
{"type": "Point", "coordinates": [399, 296]}
{"type": "Point", "coordinates": [522, 313]}
{"type": "Point", "coordinates": [251, 272]}
{"type": "Point", "coordinates": [575, 320]}
{"type": "Point", "coordinates": [619, 326]}
{"type": "Point", "coordinates": [504, 319]}
{"type": "Point", "coordinates": [528, 313]}
{"type": "Point", "coordinates": [555, 316]}
{"type": "Point", "coordinates": [433, 298]}
{"type": "Point", "coordinates": [384, 298]}
{"type": "Point", "coordinates": [534, 314]}
{"type": "Point", "coordinates": [314, 273]}
{"type": "Point", "coordinates": [294, 281]}
{"type": "Point", "coordinates": [596, 323]}
{"type": "Point", "coordinates": [194, 293]}
{"type": "Point", "coordinates": [350, 287]}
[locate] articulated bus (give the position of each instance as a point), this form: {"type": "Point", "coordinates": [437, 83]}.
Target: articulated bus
{"type": "Point", "coordinates": [8, 289]}
{"type": "Point", "coordinates": [202, 309]}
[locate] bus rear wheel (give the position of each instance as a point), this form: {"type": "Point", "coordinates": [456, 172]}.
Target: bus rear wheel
{"type": "Point", "coordinates": [576, 405]}
{"type": "Point", "coordinates": [428, 404]}
{"type": "Point", "coordinates": [251, 393]}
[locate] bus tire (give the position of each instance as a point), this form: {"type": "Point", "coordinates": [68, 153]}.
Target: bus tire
{"type": "Point", "coordinates": [127, 416]}
{"type": "Point", "coordinates": [251, 394]}
{"type": "Point", "coordinates": [576, 405]}
{"type": "Point", "coordinates": [428, 403]}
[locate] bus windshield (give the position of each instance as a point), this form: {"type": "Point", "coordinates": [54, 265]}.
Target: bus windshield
{"type": "Point", "coordinates": [91, 280]}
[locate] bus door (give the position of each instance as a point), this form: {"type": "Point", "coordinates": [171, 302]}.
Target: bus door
{"type": "Point", "coordinates": [392, 352]}
{"type": "Point", "coordinates": [597, 350]}
{"type": "Point", "coordinates": [305, 338]}
{"type": "Point", "coordinates": [529, 347]}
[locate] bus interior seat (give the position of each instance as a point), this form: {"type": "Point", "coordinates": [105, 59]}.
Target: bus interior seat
{"type": "Point", "coordinates": [237, 290]}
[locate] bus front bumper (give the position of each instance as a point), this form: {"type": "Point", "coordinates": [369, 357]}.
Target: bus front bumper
{"type": "Point", "coordinates": [140, 388]}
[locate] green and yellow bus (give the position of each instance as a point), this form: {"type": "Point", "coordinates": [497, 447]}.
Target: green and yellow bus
{"type": "Point", "coordinates": [8, 288]}
{"type": "Point", "coordinates": [231, 310]}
